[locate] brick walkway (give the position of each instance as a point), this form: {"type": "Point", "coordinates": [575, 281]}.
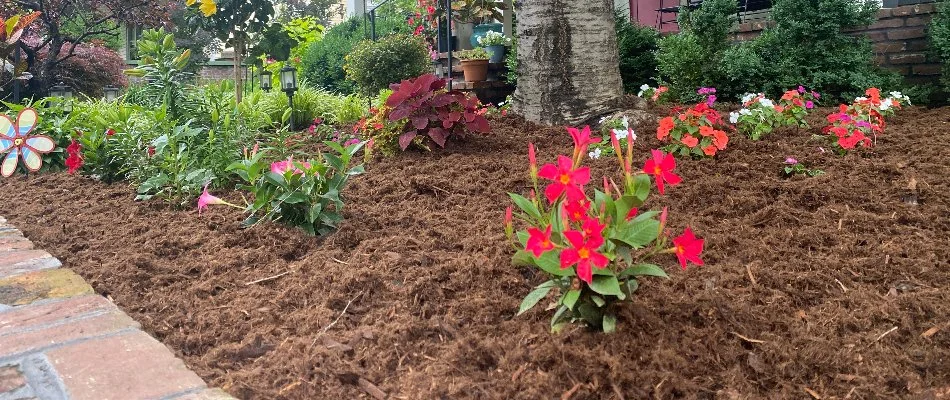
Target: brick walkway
{"type": "Point", "coordinates": [59, 340]}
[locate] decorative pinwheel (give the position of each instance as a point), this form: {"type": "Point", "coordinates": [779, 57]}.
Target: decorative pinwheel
{"type": "Point", "coordinates": [15, 136]}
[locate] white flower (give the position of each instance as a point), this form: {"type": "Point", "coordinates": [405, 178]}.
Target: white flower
{"type": "Point", "coordinates": [767, 103]}
{"type": "Point", "coordinates": [859, 99]}
{"type": "Point", "coordinates": [603, 119]}
{"type": "Point", "coordinates": [896, 94]}
{"type": "Point", "coordinates": [594, 154]}
{"type": "Point", "coordinates": [620, 133]}
{"type": "Point", "coordinates": [626, 122]}
{"type": "Point", "coordinates": [746, 97]}
{"type": "Point", "coordinates": [886, 104]}
{"type": "Point", "coordinates": [745, 111]}
{"type": "Point", "coordinates": [733, 117]}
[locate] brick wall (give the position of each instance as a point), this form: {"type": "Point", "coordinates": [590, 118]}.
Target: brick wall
{"type": "Point", "coordinates": [216, 72]}
{"type": "Point", "coordinates": [899, 38]}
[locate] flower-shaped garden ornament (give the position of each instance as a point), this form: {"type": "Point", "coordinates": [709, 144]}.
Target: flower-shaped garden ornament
{"type": "Point", "coordinates": [15, 138]}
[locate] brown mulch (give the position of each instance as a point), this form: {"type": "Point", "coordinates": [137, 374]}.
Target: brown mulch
{"type": "Point", "coordinates": [832, 287]}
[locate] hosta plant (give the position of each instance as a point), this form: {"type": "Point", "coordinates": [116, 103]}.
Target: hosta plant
{"type": "Point", "coordinates": [859, 123]}
{"type": "Point", "coordinates": [594, 245]}
{"type": "Point", "coordinates": [696, 131]}
{"type": "Point", "coordinates": [303, 194]}
{"type": "Point", "coordinates": [424, 112]}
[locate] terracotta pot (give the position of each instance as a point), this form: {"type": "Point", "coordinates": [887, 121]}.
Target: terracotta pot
{"type": "Point", "coordinates": [475, 70]}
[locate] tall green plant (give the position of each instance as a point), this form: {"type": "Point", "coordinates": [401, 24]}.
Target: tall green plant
{"type": "Point", "coordinates": [376, 65]}
{"type": "Point", "coordinates": [163, 70]}
{"type": "Point", "coordinates": [690, 59]}
{"type": "Point", "coordinates": [940, 38]}
{"type": "Point", "coordinates": [637, 46]}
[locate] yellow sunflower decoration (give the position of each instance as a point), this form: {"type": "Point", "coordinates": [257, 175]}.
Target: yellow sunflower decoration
{"type": "Point", "coordinates": [207, 7]}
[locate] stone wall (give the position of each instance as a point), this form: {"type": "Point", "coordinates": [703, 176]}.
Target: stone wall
{"type": "Point", "coordinates": [899, 37]}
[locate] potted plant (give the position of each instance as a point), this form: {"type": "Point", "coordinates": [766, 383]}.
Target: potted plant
{"type": "Point", "coordinates": [474, 64]}
{"type": "Point", "coordinates": [495, 44]}
{"type": "Point", "coordinates": [468, 13]}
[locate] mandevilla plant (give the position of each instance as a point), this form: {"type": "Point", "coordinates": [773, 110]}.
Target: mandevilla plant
{"type": "Point", "coordinates": [698, 131]}
{"type": "Point", "coordinates": [860, 122]}
{"type": "Point", "coordinates": [594, 248]}
{"type": "Point", "coordinates": [302, 194]}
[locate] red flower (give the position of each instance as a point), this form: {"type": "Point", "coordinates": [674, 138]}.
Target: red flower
{"type": "Point", "coordinates": [110, 132]}
{"type": "Point", "coordinates": [593, 228]}
{"type": "Point", "coordinates": [709, 150]}
{"type": "Point", "coordinates": [565, 177]}
{"type": "Point", "coordinates": [151, 151]}
{"type": "Point", "coordinates": [583, 253]}
{"type": "Point", "coordinates": [577, 208]}
{"type": "Point", "coordinates": [539, 242]}
{"type": "Point", "coordinates": [688, 248]}
{"type": "Point", "coordinates": [532, 161]}
{"type": "Point", "coordinates": [661, 167]}
{"type": "Point", "coordinates": [666, 125]}
{"type": "Point", "coordinates": [632, 214]}
{"type": "Point", "coordinates": [689, 141]}
{"type": "Point", "coordinates": [720, 139]}
{"type": "Point", "coordinates": [582, 138]}
{"type": "Point", "coordinates": [74, 161]}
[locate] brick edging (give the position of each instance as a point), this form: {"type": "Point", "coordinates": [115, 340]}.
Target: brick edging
{"type": "Point", "coordinates": [59, 340]}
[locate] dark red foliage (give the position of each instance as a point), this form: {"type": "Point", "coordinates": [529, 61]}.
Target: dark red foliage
{"type": "Point", "coordinates": [434, 111]}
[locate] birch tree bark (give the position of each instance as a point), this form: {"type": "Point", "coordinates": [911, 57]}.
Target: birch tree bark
{"type": "Point", "coordinates": [568, 62]}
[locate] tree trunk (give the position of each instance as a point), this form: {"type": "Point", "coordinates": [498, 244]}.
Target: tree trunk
{"type": "Point", "coordinates": [238, 73]}
{"type": "Point", "coordinates": [568, 62]}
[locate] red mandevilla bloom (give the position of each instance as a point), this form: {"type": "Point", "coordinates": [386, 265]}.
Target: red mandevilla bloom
{"type": "Point", "coordinates": [565, 178]}
{"type": "Point", "coordinates": [74, 161]}
{"type": "Point", "coordinates": [688, 248]}
{"type": "Point", "coordinates": [582, 138]}
{"type": "Point", "coordinates": [576, 208]}
{"type": "Point", "coordinates": [661, 167]}
{"type": "Point", "coordinates": [583, 253]}
{"type": "Point", "coordinates": [538, 241]}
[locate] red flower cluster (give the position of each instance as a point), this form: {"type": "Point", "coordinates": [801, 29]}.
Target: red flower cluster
{"type": "Point", "coordinates": [74, 160]}
{"type": "Point", "coordinates": [860, 122]}
{"type": "Point", "coordinates": [694, 131]}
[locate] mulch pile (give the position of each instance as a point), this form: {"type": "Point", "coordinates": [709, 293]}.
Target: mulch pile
{"type": "Point", "coordinates": [833, 286]}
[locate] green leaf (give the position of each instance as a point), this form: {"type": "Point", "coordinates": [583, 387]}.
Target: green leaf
{"type": "Point", "coordinates": [609, 323]}
{"type": "Point", "coordinates": [535, 296]}
{"type": "Point", "coordinates": [599, 301]}
{"type": "Point", "coordinates": [607, 285]}
{"type": "Point", "coordinates": [570, 298]}
{"type": "Point", "coordinates": [556, 323]}
{"type": "Point", "coordinates": [525, 205]}
{"type": "Point", "coordinates": [644, 270]}
{"type": "Point", "coordinates": [639, 232]}
{"type": "Point", "coordinates": [314, 213]}
{"type": "Point", "coordinates": [550, 262]}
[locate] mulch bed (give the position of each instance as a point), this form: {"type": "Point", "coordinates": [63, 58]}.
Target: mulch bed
{"type": "Point", "coordinates": [832, 286]}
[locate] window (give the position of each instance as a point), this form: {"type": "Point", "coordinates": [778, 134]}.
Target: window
{"type": "Point", "coordinates": [132, 35]}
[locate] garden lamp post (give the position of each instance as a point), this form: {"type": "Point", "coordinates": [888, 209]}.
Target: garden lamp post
{"type": "Point", "coordinates": [266, 77]}
{"type": "Point", "coordinates": [111, 93]}
{"type": "Point", "coordinates": [65, 94]}
{"type": "Point", "coordinates": [288, 83]}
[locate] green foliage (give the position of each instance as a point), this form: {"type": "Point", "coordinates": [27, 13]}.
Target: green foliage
{"type": "Point", "coordinates": [638, 46]}
{"type": "Point", "coordinates": [373, 66]}
{"type": "Point", "coordinates": [940, 39]}
{"type": "Point", "coordinates": [711, 23]}
{"type": "Point", "coordinates": [478, 53]}
{"type": "Point", "coordinates": [511, 61]}
{"type": "Point", "coordinates": [690, 60]}
{"type": "Point", "coordinates": [323, 62]}
{"type": "Point", "coordinates": [162, 68]}
{"type": "Point", "coordinates": [302, 194]}
{"type": "Point", "coordinates": [309, 103]}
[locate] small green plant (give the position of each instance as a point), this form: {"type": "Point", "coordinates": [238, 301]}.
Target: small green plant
{"type": "Point", "coordinates": [307, 194]}
{"type": "Point", "coordinates": [493, 38]}
{"type": "Point", "coordinates": [473, 54]}
{"type": "Point", "coordinates": [793, 167]}
{"type": "Point", "coordinates": [511, 62]}
{"type": "Point", "coordinates": [373, 66]}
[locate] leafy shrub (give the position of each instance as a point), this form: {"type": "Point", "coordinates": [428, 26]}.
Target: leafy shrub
{"type": "Point", "coordinates": [638, 46]}
{"type": "Point", "coordinates": [309, 103]}
{"type": "Point", "coordinates": [421, 111]}
{"type": "Point", "coordinates": [758, 116]}
{"type": "Point", "coordinates": [595, 249]}
{"type": "Point", "coordinates": [323, 62]}
{"type": "Point", "coordinates": [302, 194]}
{"type": "Point", "coordinates": [691, 59]}
{"type": "Point", "coordinates": [373, 66]}
{"type": "Point", "coordinates": [93, 67]}
{"type": "Point", "coordinates": [940, 38]}
{"type": "Point", "coordinates": [163, 70]}
{"type": "Point", "coordinates": [511, 63]}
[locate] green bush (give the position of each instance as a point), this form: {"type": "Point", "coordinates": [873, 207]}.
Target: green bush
{"type": "Point", "coordinates": [940, 38]}
{"type": "Point", "coordinates": [309, 103]}
{"type": "Point", "coordinates": [373, 66]}
{"type": "Point", "coordinates": [323, 62]}
{"type": "Point", "coordinates": [690, 60]}
{"type": "Point", "coordinates": [638, 46]}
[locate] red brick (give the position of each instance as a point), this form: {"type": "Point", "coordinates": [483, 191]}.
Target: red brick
{"type": "Point", "coordinates": [35, 316]}
{"type": "Point", "coordinates": [927, 69]}
{"type": "Point", "coordinates": [49, 336]}
{"type": "Point", "coordinates": [906, 33]}
{"type": "Point", "coordinates": [876, 36]}
{"type": "Point", "coordinates": [911, 58]}
{"type": "Point", "coordinates": [21, 261]}
{"type": "Point", "coordinates": [27, 288]}
{"type": "Point", "coordinates": [11, 379]}
{"type": "Point", "coordinates": [209, 394]}
{"type": "Point", "coordinates": [884, 13]}
{"type": "Point", "coordinates": [127, 366]}
{"type": "Point", "coordinates": [887, 23]}
{"type": "Point", "coordinates": [917, 45]}
{"type": "Point", "coordinates": [917, 21]}
{"type": "Point", "coordinates": [904, 70]}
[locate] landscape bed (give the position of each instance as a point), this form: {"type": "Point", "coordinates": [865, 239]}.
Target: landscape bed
{"type": "Point", "coordinates": [830, 286]}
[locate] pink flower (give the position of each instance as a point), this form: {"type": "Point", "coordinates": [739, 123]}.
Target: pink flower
{"type": "Point", "coordinates": [207, 199]}
{"type": "Point", "coordinates": [809, 104]}
{"type": "Point", "coordinates": [791, 161]}
{"type": "Point", "coordinates": [801, 89]}
{"type": "Point", "coordinates": [281, 167]}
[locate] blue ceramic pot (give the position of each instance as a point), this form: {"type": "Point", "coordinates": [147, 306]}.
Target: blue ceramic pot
{"type": "Point", "coordinates": [481, 29]}
{"type": "Point", "coordinates": [496, 54]}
